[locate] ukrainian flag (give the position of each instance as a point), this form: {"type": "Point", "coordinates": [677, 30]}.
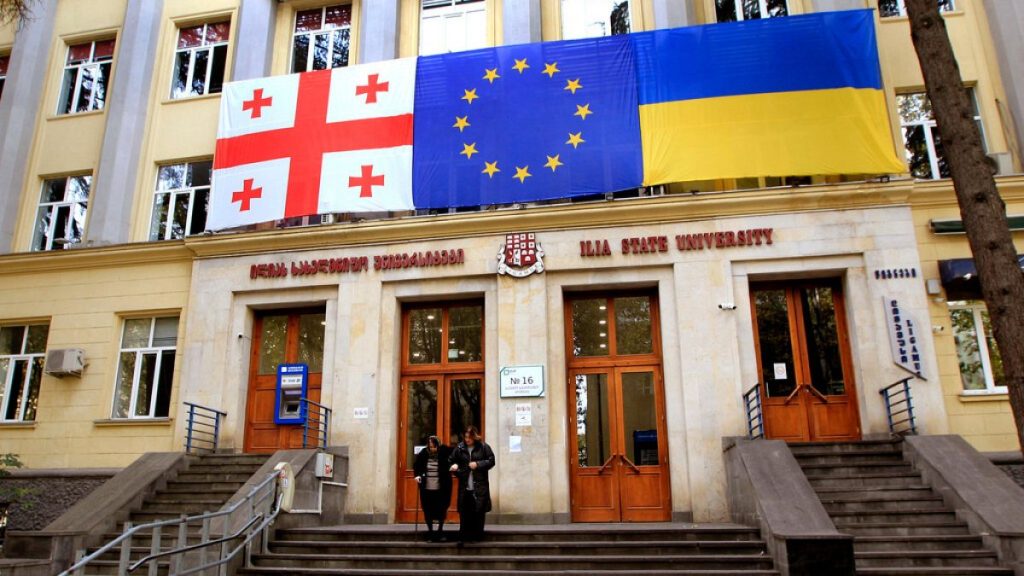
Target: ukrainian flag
{"type": "Point", "coordinates": [799, 95]}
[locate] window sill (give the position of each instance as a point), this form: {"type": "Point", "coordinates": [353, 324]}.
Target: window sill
{"type": "Point", "coordinates": [984, 396]}
{"type": "Point", "coordinates": [56, 117]}
{"type": "Point", "coordinates": [905, 18]}
{"type": "Point", "coordinates": [168, 101]}
{"type": "Point", "coordinates": [113, 422]}
{"type": "Point", "coordinates": [17, 425]}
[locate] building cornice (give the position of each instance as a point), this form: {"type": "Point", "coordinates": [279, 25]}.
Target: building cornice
{"type": "Point", "coordinates": [98, 257]}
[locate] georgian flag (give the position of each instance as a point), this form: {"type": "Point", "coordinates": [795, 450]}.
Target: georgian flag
{"type": "Point", "coordinates": [318, 142]}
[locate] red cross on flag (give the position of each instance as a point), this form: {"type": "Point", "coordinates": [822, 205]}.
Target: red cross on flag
{"type": "Point", "coordinates": [327, 141]}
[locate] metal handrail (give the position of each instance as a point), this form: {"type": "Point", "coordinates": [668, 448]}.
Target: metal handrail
{"type": "Point", "coordinates": [904, 416]}
{"type": "Point", "coordinates": [320, 426]}
{"type": "Point", "coordinates": [755, 417]}
{"type": "Point", "coordinates": [130, 531]}
{"type": "Point", "coordinates": [195, 426]}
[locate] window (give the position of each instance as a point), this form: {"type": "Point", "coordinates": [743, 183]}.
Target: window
{"type": "Point", "coordinates": [181, 202]}
{"type": "Point", "coordinates": [4, 62]}
{"type": "Point", "coordinates": [60, 222]}
{"type": "Point", "coordinates": [923, 147]}
{"type": "Point", "coordinates": [145, 368]}
{"type": "Point", "coordinates": [737, 10]}
{"type": "Point", "coordinates": [22, 353]}
{"type": "Point", "coordinates": [981, 368]}
{"type": "Point", "coordinates": [199, 60]}
{"type": "Point", "coordinates": [452, 25]}
{"type": "Point", "coordinates": [328, 31]}
{"type": "Point", "coordinates": [889, 8]}
{"type": "Point", "coordinates": [592, 18]}
{"type": "Point", "coordinates": [86, 75]}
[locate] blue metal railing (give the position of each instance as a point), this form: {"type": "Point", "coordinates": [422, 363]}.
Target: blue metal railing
{"type": "Point", "coordinates": [899, 407]}
{"type": "Point", "coordinates": [316, 424]}
{"type": "Point", "coordinates": [752, 406]}
{"type": "Point", "coordinates": [202, 430]}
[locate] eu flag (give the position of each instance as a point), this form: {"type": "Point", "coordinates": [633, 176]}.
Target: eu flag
{"type": "Point", "coordinates": [526, 123]}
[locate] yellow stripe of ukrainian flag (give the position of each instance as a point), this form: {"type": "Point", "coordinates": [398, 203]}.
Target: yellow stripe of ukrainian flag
{"type": "Point", "coordinates": [769, 134]}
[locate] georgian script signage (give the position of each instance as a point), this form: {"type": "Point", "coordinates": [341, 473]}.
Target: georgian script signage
{"type": "Point", "coordinates": [906, 348]}
{"type": "Point", "coordinates": [355, 264]}
{"type": "Point", "coordinates": [521, 382]}
{"type": "Point", "coordinates": [682, 242]}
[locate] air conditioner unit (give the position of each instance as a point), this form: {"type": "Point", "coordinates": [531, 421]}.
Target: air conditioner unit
{"type": "Point", "coordinates": [1002, 162]}
{"type": "Point", "coordinates": [65, 362]}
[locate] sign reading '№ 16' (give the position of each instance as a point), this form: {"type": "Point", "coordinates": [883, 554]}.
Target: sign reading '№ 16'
{"type": "Point", "coordinates": [556, 119]}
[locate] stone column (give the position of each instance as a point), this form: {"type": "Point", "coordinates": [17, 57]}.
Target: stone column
{"type": "Point", "coordinates": [113, 191]}
{"type": "Point", "coordinates": [520, 22]}
{"type": "Point", "coordinates": [833, 5]}
{"type": "Point", "coordinates": [1006, 23]}
{"type": "Point", "coordinates": [253, 36]}
{"type": "Point", "coordinates": [378, 31]}
{"type": "Point", "coordinates": [18, 109]}
{"type": "Point", "coordinates": [674, 13]}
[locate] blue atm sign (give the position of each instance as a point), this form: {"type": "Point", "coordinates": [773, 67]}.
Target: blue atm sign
{"type": "Point", "coordinates": [292, 381]}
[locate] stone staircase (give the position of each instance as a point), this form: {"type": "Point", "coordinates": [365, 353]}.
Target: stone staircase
{"type": "Point", "coordinates": [602, 550]}
{"type": "Point", "coordinates": [205, 486]}
{"type": "Point", "coordinates": [900, 525]}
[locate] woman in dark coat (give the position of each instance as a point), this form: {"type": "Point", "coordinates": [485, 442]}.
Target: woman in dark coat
{"type": "Point", "coordinates": [435, 484]}
{"type": "Point", "coordinates": [470, 461]}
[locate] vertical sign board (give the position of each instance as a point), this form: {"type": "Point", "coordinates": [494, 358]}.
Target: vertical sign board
{"type": "Point", "coordinates": [521, 382]}
{"type": "Point", "coordinates": [906, 349]}
{"type": "Point", "coordinates": [292, 380]}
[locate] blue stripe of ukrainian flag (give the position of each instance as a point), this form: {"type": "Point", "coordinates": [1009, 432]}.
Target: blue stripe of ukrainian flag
{"type": "Point", "coordinates": [798, 95]}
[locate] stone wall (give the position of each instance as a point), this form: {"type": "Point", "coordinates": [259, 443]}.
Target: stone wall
{"type": "Point", "coordinates": [40, 497]}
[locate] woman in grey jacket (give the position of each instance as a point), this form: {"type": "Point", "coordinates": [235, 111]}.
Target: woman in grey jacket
{"type": "Point", "coordinates": [470, 461]}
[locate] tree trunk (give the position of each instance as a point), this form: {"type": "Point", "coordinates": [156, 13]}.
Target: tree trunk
{"type": "Point", "coordinates": [981, 208]}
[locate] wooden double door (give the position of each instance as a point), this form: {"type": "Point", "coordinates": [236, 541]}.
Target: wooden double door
{"type": "Point", "coordinates": [441, 391]}
{"type": "Point", "coordinates": [618, 453]}
{"type": "Point", "coordinates": [281, 337]}
{"type": "Point", "coordinates": [804, 366]}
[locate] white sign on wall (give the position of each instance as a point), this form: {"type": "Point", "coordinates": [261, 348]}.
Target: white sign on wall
{"type": "Point", "coordinates": [906, 347]}
{"type": "Point", "coordinates": [521, 382]}
{"type": "Point", "coordinates": [524, 415]}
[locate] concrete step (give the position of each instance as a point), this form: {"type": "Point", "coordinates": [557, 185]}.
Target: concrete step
{"type": "Point", "coordinates": [927, 542]}
{"type": "Point", "coordinates": [908, 517]}
{"type": "Point", "coordinates": [525, 563]}
{"type": "Point", "coordinates": [424, 571]}
{"type": "Point", "coordinates": [865, 457]}
{"type": "Point", "coordinates": [198, 486]}
{"type": "Point", "coordinates": [188, 507]}
{"type": "Point", "coordinates": [841, 447]}
{"type": "Point", "coordinates": [900, 529]}
{"type": "Point", "coordinates": [199, 498]}
{"type": "Point", "coordinates": [844, 495]}
{"type": "Point", "coordinates": [865, 481]}
{"type": "Point", "coordinates": [856, 469]}
{"type": "Point", "coordinates": [935, 571]}
{"type": "Point", "coordinates": [497, 547]}
{"type": "Point", "coordinates": [884, 504]}
{"type": "Point", "coordinates": [626, 533]}
{"type": "Point", "coordinates": [213, 477]}
{"type": "Point", "coordinates": [206, 468]}
{"type": "Point", "coordinates": [256, 460]}
{"type": "Point", "coordinates": [932, 558]}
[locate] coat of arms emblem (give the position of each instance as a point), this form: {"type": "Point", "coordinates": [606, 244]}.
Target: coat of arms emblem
{"type": "Point", "coordinates": [521, 255]}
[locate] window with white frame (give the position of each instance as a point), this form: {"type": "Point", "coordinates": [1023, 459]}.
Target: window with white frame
{"type": "Point", "coordinates": [594, 18]}
{"type": "Point", "coordinates": [145, 367]}
{"type": "Point", "coordinates": [738, 10]}
{"type": "Point", "coordinates": [200, 59]}
{"type": "Point", "coordinates": [452, 26]}
{"type": "Point", "coordinates": [22, 354]}
{"type": "Point", "coordinates": [921, 141]}
{"type": "Point", "coordinates": [5, 61]}
{"type": "Point", "coordinates": [86, 77]}
{"type": "Point", "coordinates": [893, 8]}
{"type": "Point", "coordinates": [182, 200]}
{"type": "Point", "coordinates": [60, 221]}
{"type": "Point", "coordinates": [322, 38]}
{"type": "Point", "coordinates": [981, 368]}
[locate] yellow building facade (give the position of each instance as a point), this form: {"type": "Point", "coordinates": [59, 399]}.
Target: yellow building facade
{"type": "Point", "coordinates": [166, 315]}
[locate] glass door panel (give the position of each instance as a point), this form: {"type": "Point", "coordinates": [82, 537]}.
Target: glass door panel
{"type": "Point", "coordinates": [421, 416]}
{"type": "Point", "coordinates": [640, 418]}
{"type": "Point", "coordinates": [463, 408]}
{"type": "Point", "coordinates": [771, 309]}
{"type": "Point", "coordinates": [825, 362]}
{"type": "Point", "coordinates": [593, 436]}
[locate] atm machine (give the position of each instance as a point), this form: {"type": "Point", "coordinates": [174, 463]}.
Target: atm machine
{"type": "Point", "coordinates": [292, 381]}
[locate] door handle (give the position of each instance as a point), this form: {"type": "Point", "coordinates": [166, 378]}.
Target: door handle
{"type": "Point", "coordinates": [628, 463]}
{"type": "Point", "coordinates": [814, 391]}
{"type": "Point", "coordinates": [606, 465]}
{"type": "Point", "coordinates": [793, 394]}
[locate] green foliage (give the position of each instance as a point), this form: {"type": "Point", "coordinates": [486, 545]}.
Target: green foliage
{"type": "Point", "coordinates": [8, 461]}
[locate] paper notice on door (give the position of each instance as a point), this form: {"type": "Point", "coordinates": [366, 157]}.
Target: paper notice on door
{"type": "Point", "coordinates": [524, 415]}
{"type": "Point", "coordinates": [515, 443]}
{"type": "Point", "coordinates": [780, 370]}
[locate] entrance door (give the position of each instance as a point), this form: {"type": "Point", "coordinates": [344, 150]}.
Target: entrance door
{"type": "Point", "coordinates": [618, 455]}
{"type": "Point", "coordinates": [803, 354]}
{"type": "Point", "coordinates": [441, 391]}
{"type": "Point", "coordinates": [281, 337]}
